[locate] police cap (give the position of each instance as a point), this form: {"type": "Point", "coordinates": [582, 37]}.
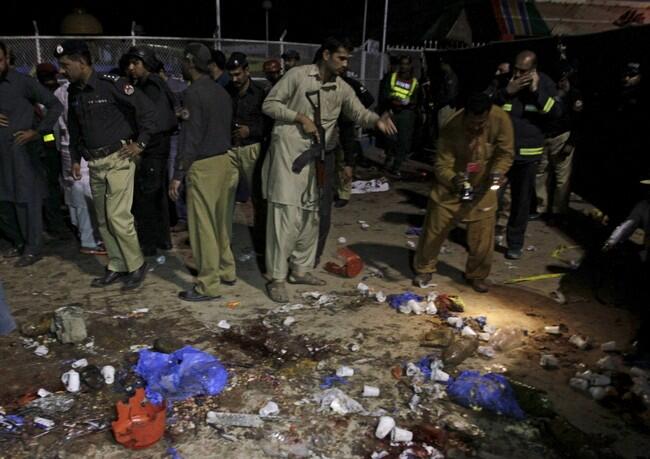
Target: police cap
{"type": "Point", "coordinates": [237, 59]}
{"type": "Point", "coordinates": [632, 69]}
{"type": "Point", "coordinates": [291, 54]}
{"type": "Point", "coordinates": [199, 54]}
{"type": "Point", "coordinates": [70, 47]}
{"type": "Point", "coordinates": [145, 54]}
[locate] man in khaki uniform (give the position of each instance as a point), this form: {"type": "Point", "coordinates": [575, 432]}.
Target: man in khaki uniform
{"type": "Point", "coordinates": [475, 147]}
{"type": "Point", "coordinates": [110, 123]}
{"type": "Point", "coordinates": [292, 225]}
{"type": "Point", "coordinates": [203, 160]}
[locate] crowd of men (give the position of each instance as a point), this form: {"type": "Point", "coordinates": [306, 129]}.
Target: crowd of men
{"type": "Point", "coordinates": [122, 145]}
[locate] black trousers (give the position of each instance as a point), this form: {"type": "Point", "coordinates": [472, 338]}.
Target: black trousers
{"type": "Point", "coordinates": [51, 161]}
{"type": "Point", "coordinates": [325, 204]}
{"type": "Point", "coordinates": [150, 203]}
{"type": "Point", "coordinates": [522, 186]}
{"type": "Point", "coordinates": [22, 224]}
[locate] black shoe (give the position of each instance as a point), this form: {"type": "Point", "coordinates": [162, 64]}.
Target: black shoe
{"type": "Point", "coordinates": [341, 203]}
{"type": "Point", "coordinates": [514, 254]}
{"type": "Point", "coordinates": [27, 260]}
{"type": "Point", "coordinates": [165, 246]}
{"type": "Point", "coordinates": [110, 277]}
{"type": "Point", "coordinates": [229, 283]}
{"type": "Point", "coordinates": [134, 279]}
{"type": "Point", "coordinates": [13, 252]}
{"type": "Point", "coordinates": [534, 216]}
{"type": "Point", "coordinates": [193, 295]}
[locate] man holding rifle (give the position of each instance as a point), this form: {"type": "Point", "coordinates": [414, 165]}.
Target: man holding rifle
{"type": "Point", "coordinates": [305, 105]}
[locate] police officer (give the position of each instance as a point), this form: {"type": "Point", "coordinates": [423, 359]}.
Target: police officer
{"type": "Point", "coordinates": [203, 160]}
{"type": "Point", "coordinates": [401, 94]}
{"type": "Point", "coordinates": [110, 125]}
{"type": "Point", "coordinates": [272, 71]}
{"type": "Point", "coordinates": [249, 129]}
{"type": "Point", "coordinates": [291, 59]}
{"type": "Point", "coordinates": [150, 202]}
{"type": "Point", "coordinates": [22, 186]}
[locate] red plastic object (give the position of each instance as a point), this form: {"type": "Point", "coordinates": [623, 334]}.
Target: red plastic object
{"type": "Point", "coordinates": [139, 423]}
{"type": "Point", "coordinates": [353, 264]}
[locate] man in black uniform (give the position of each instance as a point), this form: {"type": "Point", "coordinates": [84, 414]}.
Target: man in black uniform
{"type": "Point", "coordinates": [249, 128]}
{"type": "Point", "coordinates": [150, 202]}
{"type": "Point", "coordinates": [22, 185]}
{"type": "Point", "coordinates": [110, 124]}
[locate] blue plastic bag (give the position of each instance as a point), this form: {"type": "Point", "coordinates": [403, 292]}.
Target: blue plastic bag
{"type": "Point", "coordinates": [7, 323]}
{"type": "Point", "coordinates": [491, 391]}
{"type": "Point", "coordinates": [329, 381]}
{"type": "Point", "coordinates": [424, 364]}
{"type": "Point", "coordinates": [180, 375]}
{"type": "Point", "coordinates": [395, 301]}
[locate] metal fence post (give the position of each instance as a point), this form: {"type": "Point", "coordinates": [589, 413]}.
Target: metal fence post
{"type": "Point", "coordinates": [37, 42]}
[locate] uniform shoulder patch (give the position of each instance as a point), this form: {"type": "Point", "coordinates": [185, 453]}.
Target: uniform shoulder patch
{"type": "Point", "coordinates": [184, 114]}
{"type": "Point", "coordinates": [110, 77]}
{"type": "Point", "coordinates": [128, 89]}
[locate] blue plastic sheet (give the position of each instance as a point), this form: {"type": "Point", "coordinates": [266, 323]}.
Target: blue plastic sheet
{"type": "Point", "coordinates": [180, 375]}
{"type": "Point", "coordinates": [395, 301]}
{"type": "Point", "coordinates": [329, 381]}
{"type": "Point", "coordinates": [491, 391]}
{"type": "Point", "coordinates": [424, 364]}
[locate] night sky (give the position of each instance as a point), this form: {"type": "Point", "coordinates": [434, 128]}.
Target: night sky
{"type": "Point", "coordinates": [305, 21]}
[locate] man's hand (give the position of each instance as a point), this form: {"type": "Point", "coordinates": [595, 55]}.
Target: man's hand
{"type": "Point", "coordinates": [174, 189]}
{"type": "Point", "coordinates": [130, 151]}
{"type": "Point", "coordinates": [534, 81]}
{"type": "Point", "coordinates": [348, 174]}
{"type": "Point", "coordinates": [241, 132]}
{"type": "Point", "coordinates": [308, 126]}
{"type": "Point", "coordinates": [385, 125]}
{"type": "Point", "coordinates": [4, 120]}
{"type": "Point", "coordinates": [26, 136]}
{"type": "Point", "coordinates": [75, 170]}
{"type": "Point", "coordinates": [517, 84]}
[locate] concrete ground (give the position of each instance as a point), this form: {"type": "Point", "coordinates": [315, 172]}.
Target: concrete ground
{"type": "Point", "coordinates": [386, 339]}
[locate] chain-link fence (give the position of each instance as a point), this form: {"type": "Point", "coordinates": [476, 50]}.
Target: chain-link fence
{"type": "Point", "coordinates": [27, 51]}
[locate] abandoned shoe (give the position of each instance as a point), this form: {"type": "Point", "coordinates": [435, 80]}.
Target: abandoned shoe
{"type": "Point", "coordinates": [479, 285]}
{"type": "Point", "coordinates": [307, 279]}
{"type": "Point", "coordinates": [422, 280]}
{"type": "Point", "coordinates": [277, 291]}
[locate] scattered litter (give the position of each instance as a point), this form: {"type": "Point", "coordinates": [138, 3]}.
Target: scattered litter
{"type": "Point", "coordinates": [579, 383]}
{"type": "Point", "coordinates": [467, 332]}
{"type": "Point", "coordinates": [490, 391]}
{"type": "Point", "coordinates": [53, 404]}
{"type": "Point", "coordinates": [370, 186]}
{"type": "Point", "coordinates": [246, 255]}
{"type": "Point", "coordinates": [609, 346]}
{"type": "Point", "coordinates": [411, 244]}
{"type": "Point", "coordinates": [69, 325]}
{"type": "Point", "coordinates": [362, 288]}
{"type": "Point", "coordinates": [43, 393]}
{"type": "Point", "coordinates": [270, 409]}
{"type": "Point", "coordinates": [401, 435]}
{"type": "Point", "coordinates": [579, 342]}
{"type": "Point", "coordinates": [71, 380]}
{"type": "Point", "coordinates": [370, 391]}
{"type": "Point", "coordinates": [351, 263]}
{"type": "Point", "coordinates": [81, 363]}
{"type": "Point", "coordinates": [224, 324]}
{"type": "Point", "coordinates": [414, 402]}
{"type": "Point", "coordinates": [344, 372]}
{"type": "Point", "coordinates": [182, 374]}
{"type": "Point", "coordinates": [336, 400]}
{"type": "Point", "coordinates": [395, 301]}
{"type": "Point", "coordinates": [414, 231]}
{"type": "Point", "coordinates": [384, 427]}
{"type": "Point", "coordinates": [364, 225]}
{"type": "Point", "coordinates": [553, 330]}
{"type": "Point", "coordinates": [233, 304]}
{"type": "Point", "coordinates": [139, 347]}
{"type": "Point", "coordinates": [549, 361]}
{"type": "Point", "coordinates": [607, 363]}
{"type": "Point", "coordinates": [380, 454]}
{"type": "Point", "coordinates": [456, 322]}
{"type": "Point", "coordinates": [44, 423]}
{"type": "Point", "coordinates": [234, 419]}
{"type": "Point", "coordinates": [108, 372]}
{"type": "Point", "coordinates": [537, 277]}
{"type": "Point", "coordinates": [506, 339]}
{"type": "Point", "coordinates": [486, 351]}
{"type": "Point", "coordinates": [161, 260]}
{"type": "Point", "coordinates": [41, 351]}
{"type": "Point", "coordinates": [288, 321]}
{"type": "Point", "coordinates": [342, 240]}
{"type": "Point", "coordinates": [330, 381]}
{"type": "Point", "coordinates": [380, 297]}
{"type": "Point", "coordinates": [484, 336]}
{"type": "Point", "coordinates": [531, 248]}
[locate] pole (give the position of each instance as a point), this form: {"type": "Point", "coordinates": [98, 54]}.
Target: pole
{"type": "Point", "coordinates": [132, 33]}
{"type": "Point", "coordinates": [217, 5]}
{"type": "Point", "coordinates": [383, 41]}
{"type": "Point", "coordinates": [363, 42]}
{"type": "Point", "coordinates": [37, 42]}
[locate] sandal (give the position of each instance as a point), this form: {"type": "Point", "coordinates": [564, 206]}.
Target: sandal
{"type": "Point", "coordinates": [277, 291]}
{"type": "Point", "coordinates": [307, 279]}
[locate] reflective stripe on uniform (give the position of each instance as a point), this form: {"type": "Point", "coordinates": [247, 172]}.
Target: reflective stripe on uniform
{"type": "Point", "coordinates": [531, 151]}
{"type": "Point", "coordinates": [548, 105]}
{"type": "Point", "coordinates": [400, 89]}
{"type": "Point", "coordinates": [48, 138]}
{"type": "Point", "coordinates": [507, 107]}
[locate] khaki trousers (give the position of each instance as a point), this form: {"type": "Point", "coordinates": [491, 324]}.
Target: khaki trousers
{"type": "Point", "coordinates": [209, 209]}
{"type": "Point", "coordinates": [553, 179]}
{"type": "Point", "coordinates": [291, 240]}
{"type": "Point", "coordinates": [111, 182]}
{"type": "Point", "coordinates": [343, 188]}
{"type": "Point", "coordinates": [437, 225]}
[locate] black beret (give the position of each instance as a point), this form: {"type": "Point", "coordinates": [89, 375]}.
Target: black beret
{"type": "Point", "coordinates": [236, 59]}
{"type": "Point", "coordinates": [69, 47]}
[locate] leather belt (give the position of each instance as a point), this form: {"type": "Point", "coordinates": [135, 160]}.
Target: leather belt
{"type": "Point", "coordinates": [102, 152]}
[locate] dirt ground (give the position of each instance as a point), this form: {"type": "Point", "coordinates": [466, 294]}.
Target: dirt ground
{"type": "Point", "coordinates": [386, 339]}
